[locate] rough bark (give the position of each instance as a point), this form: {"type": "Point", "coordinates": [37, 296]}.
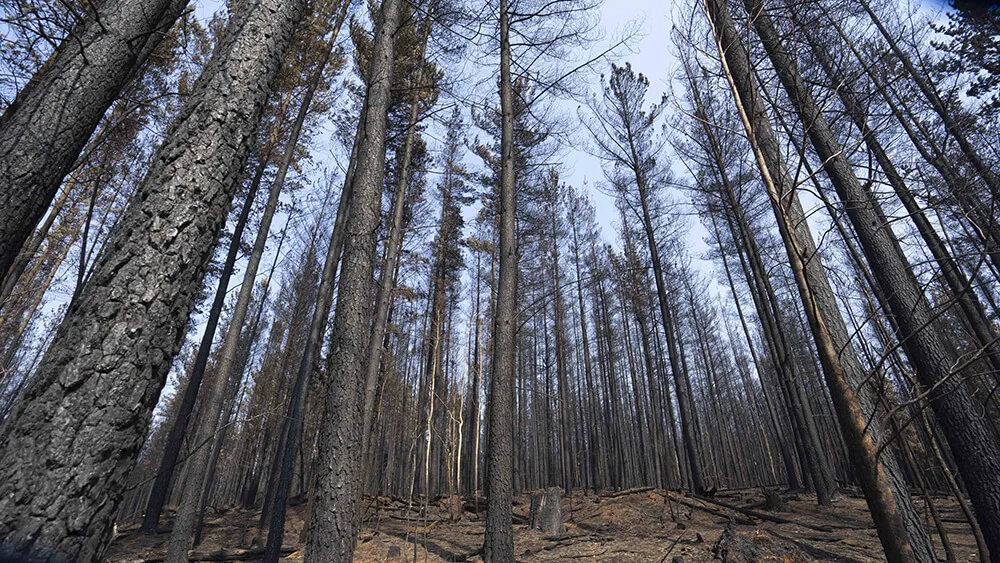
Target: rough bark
{"type": "Point", "coordinates": [214, 395]}
{"type": "Point", "coordinates": [280, 478]}
{"type": "Point", "coordinates": [335, 513]}
{"type": "Point", "coordinates": [499, 540]}
{"type": "Point", "coordinates": [73, 439]}
{"type": "Point", "coordinates": [43, 131]}
{"type": "Point", "coordinates": [175, 438]}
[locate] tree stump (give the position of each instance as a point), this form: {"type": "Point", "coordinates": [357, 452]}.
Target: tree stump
{"type": "Point", "coordinates": [773, 502]}
{"type": "Point", "coordinates": [546, 511]}
{"type": "Point", "coordinates": [455, 507]}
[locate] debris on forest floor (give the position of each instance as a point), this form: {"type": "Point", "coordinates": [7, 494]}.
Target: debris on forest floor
{"type": "Point", "coordinates": [642, 525]}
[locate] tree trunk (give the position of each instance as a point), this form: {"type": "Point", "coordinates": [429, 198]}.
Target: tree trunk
{"type": "Point", "coordinates": [383, 296]}
{"type": "Point", "coordinates": [961, 290]}
{"type": "Point", "coordinates": [74, 437]}
{"type": "Point", "coordinates": [794, 231]}
{"type": "Point", "coordinates": [973, 440]}
{"type": "Point", "coordinates": [280, 480]}
{"type": "Point", "coordinates": [214, 399]}
{"type": "Point", "coordinates": [175, 438]}
{"type": "Point", "coordinates": [335, 515]}
{"type": "Point", "coordinates": [44, 129]}
{"type": "Point", "coordinates": [499, 540]}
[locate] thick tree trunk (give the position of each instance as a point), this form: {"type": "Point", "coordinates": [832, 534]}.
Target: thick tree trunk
{"type": "Point", "coordinates": [73, 439]}
{"type": "Point", "coordinates": [43, 131]}
{"type": "Point", "coordinates": [214, 394]}
{"type": "Point", "coordinates": [499, 540]}
{"type": "Point", "coordinates": [175, 438]}
{"type": "Point", "coordinates": [335, 513]}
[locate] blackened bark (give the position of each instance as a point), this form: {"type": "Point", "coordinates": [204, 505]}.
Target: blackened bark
{"type": "Point", "coordinates": [199, 476]}
{"type": "Point", "coordinates": [499, 540]}
{"type": "Point", "coordinates": [43, 131]}
{"type": "Point", "coordinates": [335, 513]}
{"type": "Point", "coordinates": [175, 438]}
{"type": "Point", "coordinates": [280, 481]}
{"type": "Point", "coordinates": [73, 439]}
{"type": "Point", "coordinates": [957, 282]}
{"type": "Point", "coordinates": [929, 90]}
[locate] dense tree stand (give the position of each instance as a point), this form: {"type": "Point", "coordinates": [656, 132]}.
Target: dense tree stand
{"type": "Point", "coordinates": [509, 296]}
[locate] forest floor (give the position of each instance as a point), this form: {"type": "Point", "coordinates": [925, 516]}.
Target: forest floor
{"type": "Point", "coordinates": [638, 526]}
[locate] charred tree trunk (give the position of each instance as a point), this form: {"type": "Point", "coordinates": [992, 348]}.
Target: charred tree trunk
{"type": "Point", "coordinates": [802, 256]}
{"type": "Point", "coordinates": [49, 122]}
{"type": "Point", "coordinates": [104, 370]}
{"type": "Point", "coordinates": [974, 440]}
{"type": "Point", "coordinates": [499, 541]}
{"type": "Point", "coordinates": [335, 512]}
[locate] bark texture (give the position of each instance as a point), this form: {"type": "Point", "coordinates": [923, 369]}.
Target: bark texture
{"type": "Point", "coordinates": [43, 131]}
{"type": "Point", "coordinates": [72, 441]}
{"type": "Point", "coordinates": [499, 540]}
{"type": "Point", "coordinates": [335, 513]}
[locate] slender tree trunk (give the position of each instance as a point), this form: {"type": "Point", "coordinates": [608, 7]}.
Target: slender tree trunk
{"type": "Point", "coordinates": [594, 434]}
{"type": "Point", "coordinates": [566, 450]}
{"type": "Point", "coordinates": [499, 540]}
{"type": "Point", "coordinates": [974, 440]}
{"type": "Point", "coordinates": [791, 221]}
{"type": "Point", "coordinates": [383, 296]}
{"type": "Point", "coordinates": [335, 512]}
{"type": "Point", "coordinates": [927, 88]}
{"type": "Point", "coordinates": [681, 382]}
{"type": "Point", "coordinates": [280, 482]}
{"type": "Point", "coordinates": [961, 289]}
{"type": "Point", "coordinates": [175, 438]}
{"type": "Point", "coordinates": [765, 301]}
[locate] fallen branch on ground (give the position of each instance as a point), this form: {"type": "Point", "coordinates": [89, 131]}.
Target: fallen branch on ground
{"type": "Point", "coordinates": [223, 555]}
{"type": "Point", "coordinates": [769, 517]}
{"type": "Point", "coordinates": [627, 492]}
{"type": "Point", "coordinates": [712, 511]}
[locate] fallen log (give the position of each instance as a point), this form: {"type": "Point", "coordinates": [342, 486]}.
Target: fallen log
{"type": "Point", "coordinates": [223, 555]}
{"type": "Point", "coordinates": [712, 511]}
{"type": "Point", "coordinates": [627, 492]}
{"type": "Point", "coordinates": [769, 517]}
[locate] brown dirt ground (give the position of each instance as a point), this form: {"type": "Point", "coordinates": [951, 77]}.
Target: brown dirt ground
{"type": "Point", "coordinates": [636, 527]}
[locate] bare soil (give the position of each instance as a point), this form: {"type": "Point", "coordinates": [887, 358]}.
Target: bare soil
{"type": "Point", "coordinates": [641, 526]}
